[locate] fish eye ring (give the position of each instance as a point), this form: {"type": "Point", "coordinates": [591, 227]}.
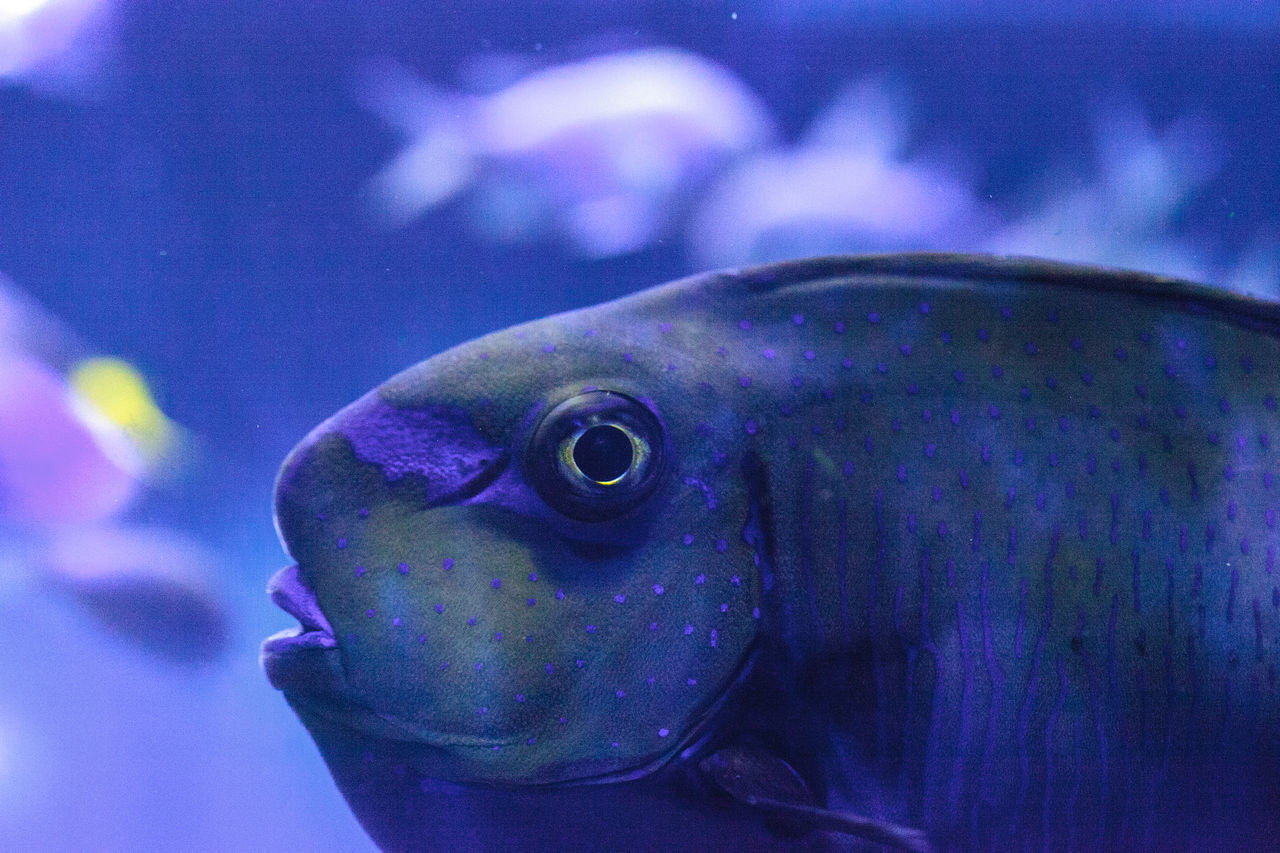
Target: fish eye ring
{"type": "Point", "coordinates": [596, 455]}
{"type": "Point", "coordinates": [604, 453]}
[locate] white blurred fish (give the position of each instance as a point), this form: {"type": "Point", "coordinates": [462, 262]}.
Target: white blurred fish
{"type": "Point", "coordinates": [1125, 216]}
{"type": "Point", "coordinates": [599, 151]}
{"type": "Point", "coordinates": [149, 587]}
{"type": "Point", "coordinates": [55, 45]}
{"type": "Point", "coordinates": [847, 186]}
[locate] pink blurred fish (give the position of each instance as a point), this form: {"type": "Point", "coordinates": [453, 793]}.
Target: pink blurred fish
{"type": "Point", "coordinates": [68, 474]}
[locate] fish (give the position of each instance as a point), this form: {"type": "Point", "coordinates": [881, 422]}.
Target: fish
{"type": "Point", "coordinates": [148, 588]}
{"type": "Point", "coordinates": [600, 152]}
{"type": "Point", "coordinates": [910, 551]}
{"type": "Point", "coordinates": [846, 185]}
{"type": "Point", "coordinates": [80, 438]}
{"type": "Point", "coordinates": [57, 47]}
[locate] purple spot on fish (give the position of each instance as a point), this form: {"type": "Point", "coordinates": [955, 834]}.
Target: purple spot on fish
{"type": "Point", "coordinates": [360, 570]}
{"type": "Point", "coordinates": [751, 427]}
{"type": "Point", "coordinates": [620, 598]}
{"type": "Point", "coordinates": [448, 563]}
{"type": "Point", "coordinates": [798, 319]}
{"type": "Point", "coordinates": [873, 317]}
{"type": "Point", "coordinates": [403, 568]}
{"type": "Point", "coordinates": [439, 608]}
{"type": "Point", "coordinates": [658, 589]}
{"type": "Point", "coordinates": [342, 543]}
{"type": "Point", "coordinates": [496, 583]}
{"type": "Point", "coordinates": [688, 539]}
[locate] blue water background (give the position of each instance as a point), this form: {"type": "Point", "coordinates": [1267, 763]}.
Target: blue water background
{"type": "Point", "coordinates": [198, 216]}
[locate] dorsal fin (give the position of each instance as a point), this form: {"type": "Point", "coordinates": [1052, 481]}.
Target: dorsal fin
{"type": "Point", "coordinates": [1180, 294]}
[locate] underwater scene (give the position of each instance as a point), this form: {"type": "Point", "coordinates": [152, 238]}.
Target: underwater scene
{"type": "Point", "coordinates": [796, 425]}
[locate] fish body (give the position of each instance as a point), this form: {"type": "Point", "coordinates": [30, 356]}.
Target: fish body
{"type": "Point", "coordinates": [971, 552]}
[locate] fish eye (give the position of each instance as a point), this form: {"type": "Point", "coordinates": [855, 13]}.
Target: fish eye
{"type": "Point", "coordinates": [603, 453]}
{"type": "Point", "coordinates": [596, 455]}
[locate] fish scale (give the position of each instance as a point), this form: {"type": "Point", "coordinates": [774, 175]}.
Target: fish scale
{"type": "Point", "coordinates": [984, 547]}
{"type": "Point", "coordinates": [1132, 462]}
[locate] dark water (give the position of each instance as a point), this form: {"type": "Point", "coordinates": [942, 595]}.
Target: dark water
{"type": "Point", "coordinates": [196, 203]}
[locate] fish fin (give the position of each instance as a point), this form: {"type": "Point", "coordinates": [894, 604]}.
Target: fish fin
{"type": "Point", "coordinates": [760, 780]}
{"type": "Point", "coordinates": [440, 159]}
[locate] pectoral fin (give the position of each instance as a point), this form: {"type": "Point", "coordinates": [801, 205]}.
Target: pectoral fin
{"type": "Point", "coordinates": [761, 780]}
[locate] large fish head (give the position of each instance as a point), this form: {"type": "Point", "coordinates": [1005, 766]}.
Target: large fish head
{"type": "Point", "coordinates": [529, 559]}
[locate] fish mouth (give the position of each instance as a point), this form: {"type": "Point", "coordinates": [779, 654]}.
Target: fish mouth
{"type": "Point", "coordinates": [305, 657]}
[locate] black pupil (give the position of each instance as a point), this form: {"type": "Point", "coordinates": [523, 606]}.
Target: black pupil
{"type": "Point", "coordinates": [603, 453]}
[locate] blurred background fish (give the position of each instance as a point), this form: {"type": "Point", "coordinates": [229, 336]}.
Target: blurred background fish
{"type": "Point", "coordinates": [599, 152]}
{"type": "Point", "coordinates": [848, 185]}
{"type": "Point", "coordinates": [76, 450]}
{"type": "Point", "coordinates": [58, 46]}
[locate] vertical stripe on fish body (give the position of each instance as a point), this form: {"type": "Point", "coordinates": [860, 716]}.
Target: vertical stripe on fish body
{"type": "Point", "coordinates": [976, 545]}
{"type": "Point", "coordinates": [1038, 506]}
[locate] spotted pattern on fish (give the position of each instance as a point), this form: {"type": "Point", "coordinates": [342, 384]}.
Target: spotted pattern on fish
{"type": "Point", "coordinates": [977, 545]}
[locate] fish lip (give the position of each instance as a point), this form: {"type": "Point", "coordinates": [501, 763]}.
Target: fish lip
{"type": "Point", "coordinates": [305, 657]}
{"type": "Point", "coordinates": [293, 596]}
